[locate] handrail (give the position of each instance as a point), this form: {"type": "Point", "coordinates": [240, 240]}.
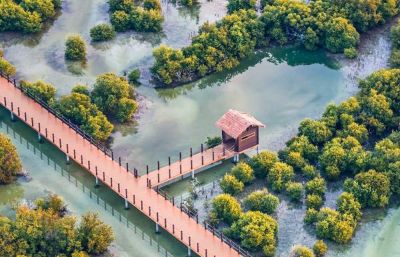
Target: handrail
{"type": "Point", "coordinates": [206, 224]}
{"type": "Point", "coordinates": [77, 129]}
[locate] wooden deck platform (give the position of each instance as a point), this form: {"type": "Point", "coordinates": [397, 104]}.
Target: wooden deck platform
{"type": "Point", "coordinates": [134, 190]}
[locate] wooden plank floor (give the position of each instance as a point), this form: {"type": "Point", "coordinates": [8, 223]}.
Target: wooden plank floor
{"type": "Point", "coordinates": [184, 167]}
{"type": "Point", "coordinates": [134, 190]}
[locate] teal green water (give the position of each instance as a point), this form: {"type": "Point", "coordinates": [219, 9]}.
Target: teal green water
{"type": "Point", "coordinates": [50, 174]}
{"type": "Point", "coordinates": [280, 87]}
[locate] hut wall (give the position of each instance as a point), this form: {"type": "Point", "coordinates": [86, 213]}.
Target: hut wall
{"type": "Point", "coordinates": [247, 139]}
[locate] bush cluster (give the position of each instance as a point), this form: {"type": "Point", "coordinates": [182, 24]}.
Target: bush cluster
{"type": "Point", "coordinates": [75, 48]}
{"type": "Point", "coordinates": [27, 16]}
{"type": "Point", "coordinates": [125, 15]}
{"type": "Point", "coordinates": [332, 25]}
{"type": "Point", "coordinates": [46, 230]}
{"type": "Point", "coordinates": [102, 32]}
{"type": "Point", "coordinates": [6, 68]}
{"type": "Point", "coordinates": [10, 163]}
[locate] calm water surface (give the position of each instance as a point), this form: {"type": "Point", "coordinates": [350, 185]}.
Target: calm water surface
{"type": "Point", "coordinates": [280, 87]}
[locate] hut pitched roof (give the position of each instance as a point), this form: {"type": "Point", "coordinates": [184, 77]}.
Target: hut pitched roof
{"type": "Point", "coordinates": [234, 123]}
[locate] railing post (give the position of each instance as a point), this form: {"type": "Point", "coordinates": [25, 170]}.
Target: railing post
{"type": "Point", "coordinates": [127, 167]}
{"type": "Point", "coordinates": [147, 169]}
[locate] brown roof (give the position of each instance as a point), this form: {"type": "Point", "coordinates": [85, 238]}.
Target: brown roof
{"type": "Point", "coordinates": [234, 123]}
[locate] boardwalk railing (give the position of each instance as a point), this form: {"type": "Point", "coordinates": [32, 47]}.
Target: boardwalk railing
{"type": "Point", "coordinates": [78, 130]}
{"type": "Point", "coordinates": [193, 214]}
{"type": "Point", "coordinates": [88, 192]}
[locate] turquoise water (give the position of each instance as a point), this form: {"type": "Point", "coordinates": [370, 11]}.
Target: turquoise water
{"type": "Point", "coordinates": [279, 86]}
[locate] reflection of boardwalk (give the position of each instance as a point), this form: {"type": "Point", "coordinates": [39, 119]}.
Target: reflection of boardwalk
{"type": "Point", "coordinates": [133, 190]}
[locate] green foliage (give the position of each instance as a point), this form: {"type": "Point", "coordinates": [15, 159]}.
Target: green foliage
{"type": "Point", "coordinates": [134, 76]}
{"type": "Point", "coordinates": [114, 97]}
{"type": "Point", "coordinates": [81, 111]}
{"type": "Point", "coordinates": [213, 141]}
{"type": "Point", "coordinates": [386, 158]}
{"type": "Point", "coordinates": [81, 89]}
{"type": "Point", "coordinates": [335, 226]}
{"type": "Point", "coordinates": [316, 131]}
{"type": "Point", "coordinates": [301, 251]}
{"type": "Point", "coordinates": [316, 186]}
{"type": "Point", "coordinates": [340, 35]}
{"type": "Point", "coordinates": [279, 175]}
{"type": "Point", "coordinates": [371, 188]}
{"type": "Point", "coordinates": [6, 68]}
{"type": "Point", "coordinates": [225, 208]}
{"type": "Point", "coordinates": [102, 32]}
{"type": "Point", "coordinates": [243, 172]}
{"type": "Point", "coordinates": [348, 204]}
{"type": "Point", "coordinates": [95, 236]}
{"type": "Point", "coordinates": [125, 15]}
{"type": "Point", "coordinates": [350, 53]}
{"type": "Point", "coordinates": [343, 154]}
{"type": "Point", "coordinates": [311, 216]}
{"type": "Point", "coordinates": [320, 248]}
{"type": "Point", "coordinates": [217, 47]}
{"type": "Point", "coordinates": [332, 25]}
{"type": "Point", "coordinates": [43, 91]}
{"type": "Point", "coordinates": [262, 163]}
{"type": "Point", "coordinates": [231, 185]}
{"type": "Point", "coordinates": [236, 5]}
{"type": "Point", "coordinates": [52, 203]}
{"type": "Point", "coordinates": [75, 48]}
{"type": "Point", "coordinates": [261, 201]}
{"type": "Point", "coordinates": [314, 201]}
{"type": "Point", "coordinates": [295, 191]}
{"type": "Point", "coordinates": [395, 54]}
{"type": "Point", "coordinates": [43, 232]}
{"type": "Point", "coordinates": [10, 163]}
{"type": "Point", "coordinates": [255, 231]}
{"type": "Point", "coordinates": [26, 16]}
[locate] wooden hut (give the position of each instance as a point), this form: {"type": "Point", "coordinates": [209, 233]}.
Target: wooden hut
{"type": "Point", "coordinates": [240, 131]}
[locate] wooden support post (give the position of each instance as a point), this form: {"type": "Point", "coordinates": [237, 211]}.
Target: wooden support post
{"type": "Point", "coordinates": [104, 176]}
{"type": "Point", "coordinates": [88, 165]}
{"type": "Point", "coordinates": [149, 211]}
{"type": "Point", "coordinates": [127, 167]}
{"type": "Point", "coordinates": [52, 135]}
{"type": "Point", "coordinates": [25, 117]}
{"type": "Point", "coordinates": [74, 154]}
{"type": "Point", "coordinates": [81, 159]}
{"type": "Point", "coordinates": [18, 112]}
{"type": "Point", "coordinates": [147, 169]}
{"type": "Point", "coordinates": [59, 141]}
{"type": "Point", "coordinates": [111, 182]}
{"type": "Point", "coordinates": [119, 161]}
{"type": "Point", "coordinates": [45, 131]}
{"type": "Point", "coordinates": [31, 122]}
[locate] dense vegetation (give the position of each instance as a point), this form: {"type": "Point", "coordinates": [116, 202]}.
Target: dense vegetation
{"type": "Point", "coordinates": [102, 32]}
{"type": "Point", "coordinates": [395, 55]}
{"type": "Point", "coordinates": [27, 16]}
{"type": "Point", "coordinates": [75, 48]}
{"type": "Point", "coordinates": [6, 68]}
{"type": "Point", "coordinates": [126, 15]}
{"type": "Point", "coordinates": [111, 99]}
{"type": "Point", "coordinates": [356, 141]}
{"type": "Point", "coordinates": [10, 163]}
{"type": "Point", "coordinates": [114, 97]}
{"type": "Point", "coordinates": [46, 230]}
{"type": "Point", "coordinates": [332, 25]}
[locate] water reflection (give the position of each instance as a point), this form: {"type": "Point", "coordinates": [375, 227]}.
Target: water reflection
{"type": "Point", "coordinates": [50, 174]}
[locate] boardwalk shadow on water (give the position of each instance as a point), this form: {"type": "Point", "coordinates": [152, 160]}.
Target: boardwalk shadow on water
{"type": "Point", "coordinates": [51, 174]}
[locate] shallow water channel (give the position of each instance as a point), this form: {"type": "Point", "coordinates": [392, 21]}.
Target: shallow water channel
{"type": "Point", "coordinates": [279, 86]}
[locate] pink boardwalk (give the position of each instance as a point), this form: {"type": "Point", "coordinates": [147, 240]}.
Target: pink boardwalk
{"type": "Point", "coordinates": [133, 189]}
